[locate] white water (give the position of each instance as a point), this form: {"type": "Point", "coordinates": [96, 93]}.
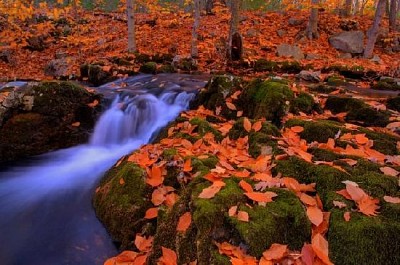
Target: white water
{"type": "Point", "coordinates": [46, 217]}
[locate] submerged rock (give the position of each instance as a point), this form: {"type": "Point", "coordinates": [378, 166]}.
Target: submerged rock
{"type": "Point", "coordinates": [41, 117]}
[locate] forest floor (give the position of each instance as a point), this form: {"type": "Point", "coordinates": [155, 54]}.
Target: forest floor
{"type": "Point", "coordinates": [98, 37]}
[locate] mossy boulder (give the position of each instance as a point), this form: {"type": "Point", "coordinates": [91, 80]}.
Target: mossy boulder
{"type": "Point", "coordinates": [335, 80]}
{"type": "Point", "coordinates": [290, 67]}
{"type": "Point", "coordinates": [266, 99]}
{"type": "Point", "coordinates": [386, 84]}
{"type": "Point", "coordinates": [305, 103]}
{"type": "Point", "coordinates": [215, 93]}
{"type": "Point", "coordinates": [265, 65]}
{"type": "Point", "coordinates": [322, 88]}
{"type": "Point", "coordinates": [95, 74]}
{"type": "Point", "coordinates": [204, 127]}
{"type": "Point", "coordinates": [148, 68]}
{"type": "Point", "coordinates": [343, 104]}
{"type": "Point", "coordinates": [320, 130]}
{"type": "Point", "coordinates": [46, 116]}
{"type": "Point", "coordinates": [166, 68]}
{"type": "Point", "coordinates": [394, 103]}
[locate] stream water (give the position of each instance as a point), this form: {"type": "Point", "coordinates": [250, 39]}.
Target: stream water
{"type": "Point", "coordinates": [46, 216]}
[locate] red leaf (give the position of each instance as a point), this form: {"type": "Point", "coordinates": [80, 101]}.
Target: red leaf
{"type": "Point", "coordinates": [143, 244]}
{"type": "Point", "coordinates": [184, 222]}
{"type": "Point", "coordinates": [168, 257]}
{"type": "Point", "coordinates": [257, 126]}
{"type": "Point", "coordinates": [245, 186]}
{"type": "Point", "coordinates": [391, 199]}
{"type": "Point", "coordinates": [151, 213]}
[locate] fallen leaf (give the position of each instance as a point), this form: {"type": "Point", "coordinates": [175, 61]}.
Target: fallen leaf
{"type": "Point", "coordinates": [307, 200]}
{"type": "Point", "coordinates": [168, 257]}
{"type": "Point", "coordinates": [368, 206]}
{"type": "Point", "coordinates": [232, 211]}
{"type": "Point", "coordinates": [307, 254]}
{"type": "Point", "coordinates": [187, 166]}
{"type": "Point", "coordinates": [315, 215]}
{"type": "Point", "coordinates": [76, 124]}
{"type": "Point", "coordinates": [320, 247]}
{"type": "Point", "coordinates": [246, 124]}
{"type": "Point", "coordinates": [389, 171]}
{"type": "Point", "coordinates": [245, 186]}
{"type": "Point", "coordinates": [230, 106]}
{"type": "Point", "coordinates": [339, 204]}
{"type": "Point", "coordinates": [346, 216]}
{"type": "Point", "coordinates": [143, 244]}
{"type": "Point", "coordinates": [243, 216]}
{"type": "Point", "coordinates": [121, 181]}
{"type": "Point", "coordinates": [275, 252]}
{"type": "Point", "coordinates": [151, 213]}
{"type": "Point", "coordinates": [257, 126]}
{"type": "Point", "coordinates": [297, 129]}
{"type": "Point", "coordinates": [361, 139]}
{"type": "Point", "coordinates": [261, 196]}
{"type": "Point", "coordinates": [209, 192]}
{"type": "Point", "coordinates": [184, 222]}
{"type": "Point", "coordinates": [391, 199]}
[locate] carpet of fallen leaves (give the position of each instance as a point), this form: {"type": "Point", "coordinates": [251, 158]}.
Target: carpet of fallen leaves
{"type": "Point", "coordinates": [99, 36]}
{"type": "Point", "coordinates": [234, 160]}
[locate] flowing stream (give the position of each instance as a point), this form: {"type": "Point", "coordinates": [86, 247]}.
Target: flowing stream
{"type": "Point", "coordinates": [46, 216]}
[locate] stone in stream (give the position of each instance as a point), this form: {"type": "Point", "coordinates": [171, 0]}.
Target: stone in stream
{"type": "Point", "coordinates": [40, 117]}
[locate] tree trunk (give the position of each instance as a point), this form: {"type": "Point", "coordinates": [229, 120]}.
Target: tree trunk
{"type": "Point", "coordinates": [312, 27]}
{"type": "Point", "coordinates": [373, 31]}
{"type": "Point", "coordinates": [393, 15]}
{"type": "Point", "coordinates": [131, 25]}
{"type": "Point", "coordinates": [235, 48]}
{"type": "Point", "coordinates": [347, 7]}
{"type": "Point", "coordinates": [209, 7]}
{"type": "Point", "coordinates": [196, 22]}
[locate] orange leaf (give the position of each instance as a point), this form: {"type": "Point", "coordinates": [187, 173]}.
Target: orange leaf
{"type": "Point", "coordinates": [151, 213]}
{"type": "Point", "coordinates": [389, 171]}
{"type": "Point", "coordinates": [245, 186]}
{"type": "Point", "coordinates": [121, 181]}
{"type": "Point", "coordinates": [275, 252]}
{"type": "Point", "coordinates": [170, 199]}
{"type": "Point", "coordinates": [168, 257]}
{"type": "Point", "coordinates": [391, 199]}
{"type": "Point", "coordinates": [297, 129]}
{"type": "Point", "coordinates": [320, 247]}
{"type": "Point", "coordinates": [346, 216]}
{"type": "Point", "coordinates": [140, 260]}
{"type": "Point", "coordinates": [339, 204]}
{"type": "Point", "coordinates": [94, 103]}
{"type": "Point", "coordinates": [344, 193]}
{"type": "Point", "coordinates": [368, 206]}
{"type": "Point", "coordinates": [361, 139]}
{"type": "Point", "coordinates": [126, 256]}
{"type": "Point", "coordinates": [76, 124]}
{"type": "Point", "coordinates": [243, 216]}
{"type": "Point", "coordinates": [230, 106]}
{"type": "Point", "coordinates": [355, 192]}
{"type": "Point", "coordinates": [257, 126]}
{"type": "Point", "coordinates": [143, 244]}
{"type": "Point", "coordinates": [246, 124]}
{"type": "Point", "coordinates": [158, 197]}
{"type": "Point", "coordinates": [184, 222]}
{"type": "Point", "coordinates": [307, 200]}
{"type": "Point", "coordinates": [307, 254]}
{"type": "Point", "coordinates": [261, 196]}
{"type": "Point", "coordinates": [187, 167]}
{"type": "Point", "coordinates": [315, 215]}
{"type": "Point", "coordinates": [155, 177]}
{"type": "Point", "coordinates": [209, 192]}
{"type": "Point", "coordinates": [232, 211]}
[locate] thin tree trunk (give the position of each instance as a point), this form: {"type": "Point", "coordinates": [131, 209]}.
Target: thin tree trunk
{"type": "Point", "coordinates": [234, 38]}
{"type": "Point", "coordinates": [373, 31]}
{"type": "Point", "coordinates": [347, 7]}
{"type": "Point", "coordinates": [209, 6]}
{"type": "Point", "coordinates": [195, 35]}
{"type": "Point", "coordinates": [356, 7]}
{"type": "Point", "coordinates": [131, 25]}
{"type": "Point", "coordinates": [312, 27]}
{"type": "Point", "coordinates": [393, 15]}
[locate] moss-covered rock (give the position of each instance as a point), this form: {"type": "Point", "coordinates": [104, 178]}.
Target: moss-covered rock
{"type": "Point", "coordinates": [394, 103]}
{"type": "Point", "coordinates": [266, 99]}
{"type": "Point", "coordinates": [305, 103]}
{"type": "Point", "coordinates": [148, 68]}
{"type": "Point", "coordinates": [265, 65]}
{"type": "Point", "coordinates": [166, 68]}
{"type": "Point", "coordinates": [363, 240]}
{"type": "Point", "coordinates": [386, 84]}
{"type": "Point", "coordinates": [47, 116]}
{"type": "Point", "coordinates": [335, 80]}
{"type": "Point", "coordinates": [343, 104]}
{"type": "Point", "coordinates": [290, 67]}
{"type": "Point", "coordinates": [121, 207]}
{"type": "Point", "coordinates": [95, 74]}
{"type": "Point", "coordinates": [214, 95]}
{"type": "Point", "coordinates": [322, 88]}
{"type": "Point", "coordinates": [319, 131]}
{"type": "Point", "coordinates": [204, 127]}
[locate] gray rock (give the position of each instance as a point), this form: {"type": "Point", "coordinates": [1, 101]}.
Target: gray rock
{"type": "Point", "coordinates": [312, 56]}
{"type": "Point", "coordinates": [184, 63]}
{"type": "Point", "coordinates": [376, 59]}
{"type": "Point", "coordinates": [295, 21]}
{"type": "Point", "coordinates": [286, 50]}
{"type": "Point", "coordinates": [345, 56]}
{"type": "Point", "coordinates": [281, 32]}
{"type": "Point", "coordinates": [348, 41]}
{"type": "Point", "coordinates": [310, 76]}
{"type": "Point", "coordinates": [251, 33]}
{"type": "Point", "coordinates": [57, 68]}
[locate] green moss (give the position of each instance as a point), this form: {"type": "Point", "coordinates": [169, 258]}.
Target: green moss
{"type": "Point", "coordinates": [265, 65]}
{"type": "Point", "coordinates": [218, 259]}
{"type": "Point", "coordinates": [169, 153]}
{"type": "Point", "coordinates": [335, 80]}
{"type": "Point", "coordinates": [142, 58]}
{"type": "Point", "coordinates": [319, 131]}
{"type": "Point", "coordinates": [166, 68]}
{"type": "Point", "coordinates": [394, 103]}
{"type": "Point", "coordinates": [377, 185]}
{"type": "Point", "coordinates": [261, 143]}
{"type": "Point", "coordinates": [283, 221]}
{"type": "Point", "coordinates": [324, 155]}
{"type": "Point", "coordinates": [204, 127]}
{"type": "Point", "coordinates": [383, 142]}
{"type": "Point", "coordinates": [363, 240]}
{"type": "Point", "coordinates": [120, 206]}
{"type": "Point", "coordinates": [266, 99]}
{"type": "Point", "coordinates": [304, 102]}
{"type": "Point", "coordinates": [321, 88]}
{"type": "Point", "coordinates": [291, 67]}
{"type": "Point", "coordinates": [386, 85]}
{"type": "Point", "coordinates": [343, 104]}
{"type": "Point", "coordinates": [148, 68]}
{"type": "Point", "coordinates": [368, 116]}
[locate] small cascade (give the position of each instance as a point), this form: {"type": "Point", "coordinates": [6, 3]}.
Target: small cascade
{"type": "Point", "coordinates": [137, 116]}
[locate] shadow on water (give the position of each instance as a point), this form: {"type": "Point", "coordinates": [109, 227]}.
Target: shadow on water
{"type": "Point", "coordinates": [46, 216]}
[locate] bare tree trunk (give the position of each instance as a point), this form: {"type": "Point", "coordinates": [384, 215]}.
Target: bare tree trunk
{"type": "Point", "coordinates": [347, 7]}
{"type": "Point", "coordinates": [131, 25]}
{"type": "Point", "coordinates": [312, 27]}
{"type": "Point", "coordinates": [196, 17]}
{"type": "Point", "coordinates": [235, 48]}
{"type": "Point", "coordinates": [356, 7]}
{"type": "Point", "coordinates": [373, 31]}
{"type": "Point", "coordinates": [393, 15]}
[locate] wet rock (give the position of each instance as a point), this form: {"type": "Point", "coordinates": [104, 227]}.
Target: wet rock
{"type": "Point", "coordinates": [286, 50]}
{"type": "Point", "coordinates": [376, 59]}
{"type": "Point", "coordinates": [250, 33]}
{"type": "Point", "coordinates": [57, 68]}
{"type": "Point", "coordinates": [41, 117]}
{"type": "Point", "coordinates": [348, 41]}
{"type": "Point", "coordinates": [290, 67]}
{"type": "Point", "coordinates": [184, 63]}
{"type": "Point", "coordinates": [394, 103]}
{"type": "Point", "coordinates": [95, 74]}
{"type": "Point", "coordinates": [148, 68]}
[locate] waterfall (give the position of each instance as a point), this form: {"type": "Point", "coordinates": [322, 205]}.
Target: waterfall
{"type": "Point", "coordinates": [46, 212]}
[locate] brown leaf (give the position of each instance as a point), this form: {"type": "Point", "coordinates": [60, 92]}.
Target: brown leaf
{"type": "Point", "coordinates": [297, 129]}
{"type": "Point", "coordinates": [232, 211]}
{"type": "Point", "coordinates": [168, 257]}
{"type": "Point", "coordinates": [307, 200]}
{"type": "Point", "coordinates": [143, 244]}
{"type": "Point", "coordinates": [76, 124]}
{"type": "Point", "coordinates": [121, 181]}
{"type": "Point", "coordinates": [315, 215]}
{"type": "Point", "coordinates": [184, 222]}
{"type": "Point", "coordinates": [320, 247]}
{"type": "Point", "coordinates": [361, 139]}
{"type": "Point", "coordinates": [187, 166]}
{"type": "Point", "coordinates": [210, 192]}
{"type": "Point", "coordinates": [307, 254]}
{"type": "Point", "coordinates": [339, 204]}
{"type": "Point", "coordinates": [230, 106]}
{"type": "Point", "coordinates": [389, 171]}
{"type": "Point", "coordinates": [246, 124]}
{"type": "Point", "coordinates": [368, 206]}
